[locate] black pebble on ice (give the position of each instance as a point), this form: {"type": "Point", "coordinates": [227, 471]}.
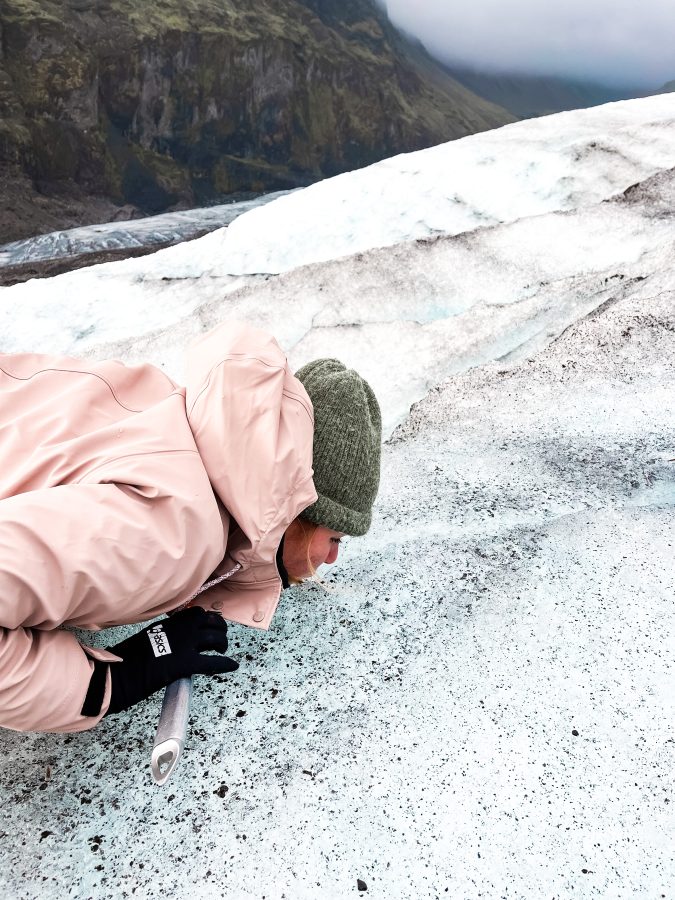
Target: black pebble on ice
{"type": "Point", "coordinates": [361, 885]}
{"type": "Point", "coordinates": [575, 732]}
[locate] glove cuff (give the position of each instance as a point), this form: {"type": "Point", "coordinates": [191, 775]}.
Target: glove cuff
{"type": "Point", "coordinates": [96, 691]}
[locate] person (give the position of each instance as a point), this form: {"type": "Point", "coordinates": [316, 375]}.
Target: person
{"type": "Point", "coordinates": [124, 496]}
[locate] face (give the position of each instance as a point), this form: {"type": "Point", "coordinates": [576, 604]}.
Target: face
{"type": "Point", "coordinates": [323, 548]}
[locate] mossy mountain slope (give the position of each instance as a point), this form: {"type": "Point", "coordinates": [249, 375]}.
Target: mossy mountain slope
{"type": "Point", "coordinates": [527, 96]}
{"type": "Point", "coordinates": [159, 102]}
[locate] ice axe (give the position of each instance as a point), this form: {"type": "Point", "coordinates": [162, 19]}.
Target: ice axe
{"type": "Point", "coordinates": [171, 730]}
{"type": "Point", "coordinates": [173, 719]}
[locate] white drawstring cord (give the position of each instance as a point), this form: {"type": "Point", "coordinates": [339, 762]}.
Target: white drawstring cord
{"type": "Point", "coordinates": [207, 585]}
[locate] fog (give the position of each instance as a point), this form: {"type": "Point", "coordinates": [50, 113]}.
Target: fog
{"type": "Point", "coordinates": [618, 42]}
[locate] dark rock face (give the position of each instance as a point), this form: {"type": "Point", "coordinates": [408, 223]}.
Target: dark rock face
{"type": "Point", "coordinates": [185, 101]}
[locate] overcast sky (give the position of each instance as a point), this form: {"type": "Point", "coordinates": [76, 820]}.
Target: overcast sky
{"type": "Point", "coordinates": [620, 42]}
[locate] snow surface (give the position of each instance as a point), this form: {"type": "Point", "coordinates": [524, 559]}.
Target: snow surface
{"type": "Point", "coordinates": [480, 700]}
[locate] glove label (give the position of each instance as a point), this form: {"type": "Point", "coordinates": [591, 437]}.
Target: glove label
{"type": "Point", "coordinates": [159, 641]}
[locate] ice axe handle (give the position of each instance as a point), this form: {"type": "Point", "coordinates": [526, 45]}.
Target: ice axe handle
{"type": "Point", "coordinates": [171, 730]}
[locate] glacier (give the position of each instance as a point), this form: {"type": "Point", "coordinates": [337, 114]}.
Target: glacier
{"type": "Point", "coordinates": [172, 227]}
{"type": "Point", "coordinates": [478, 700]}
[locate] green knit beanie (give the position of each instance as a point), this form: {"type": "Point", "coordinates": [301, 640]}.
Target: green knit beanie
{"type": "Point", "coordinates": [347, 438]}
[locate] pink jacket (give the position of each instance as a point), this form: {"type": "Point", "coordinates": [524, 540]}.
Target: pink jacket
{"type": "Point", "coordinates": [121, 493]}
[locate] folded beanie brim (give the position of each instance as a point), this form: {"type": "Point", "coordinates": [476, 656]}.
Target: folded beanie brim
{"type": "Point", "coordinates": [333, 515]}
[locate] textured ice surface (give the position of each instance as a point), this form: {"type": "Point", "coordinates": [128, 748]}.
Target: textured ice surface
{"type": "Point", "coordinates": [480, 700]}
{"type": "Point", "coordinates": [408, 315]}
{"type": "Point", "coordinates": [175, 226]}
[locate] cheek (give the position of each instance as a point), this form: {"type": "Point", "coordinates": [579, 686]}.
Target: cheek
{"type": "Point", "coordinates": [318, 555]}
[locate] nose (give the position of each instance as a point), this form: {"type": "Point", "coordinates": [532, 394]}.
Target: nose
{"type": "Point", "coordinates": [333, 553]}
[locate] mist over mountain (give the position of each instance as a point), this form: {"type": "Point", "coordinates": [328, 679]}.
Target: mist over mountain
{"type": "Point", "coordinates": [110, 108]}
{"type": "Point", "coordinates": [602, 42]}
{"type": "Point", "coordinates": [527, 96]}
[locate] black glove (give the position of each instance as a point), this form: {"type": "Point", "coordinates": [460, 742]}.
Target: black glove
{"type": "Point", "coordinates": [164, 652]}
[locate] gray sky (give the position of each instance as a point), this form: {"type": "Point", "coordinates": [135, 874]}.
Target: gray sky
{"type": "Point", "coordinates": [624, 42]}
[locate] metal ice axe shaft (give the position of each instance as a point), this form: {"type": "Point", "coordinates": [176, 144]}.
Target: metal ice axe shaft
{"type": "Point", "coordinates": [171, 730]}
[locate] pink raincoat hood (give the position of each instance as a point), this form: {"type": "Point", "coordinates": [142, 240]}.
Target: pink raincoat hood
{"type": "Point", "coordinates": [253, 425]}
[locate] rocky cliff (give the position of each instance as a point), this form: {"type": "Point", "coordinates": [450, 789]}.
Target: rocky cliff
{"type": "Point", "coordinates": [107, 103]}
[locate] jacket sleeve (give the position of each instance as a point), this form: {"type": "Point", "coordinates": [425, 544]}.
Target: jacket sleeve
{"type": "Point", "coordinates": [44, 680]}
{"type": "Point", "coordinates": [86, 554]}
